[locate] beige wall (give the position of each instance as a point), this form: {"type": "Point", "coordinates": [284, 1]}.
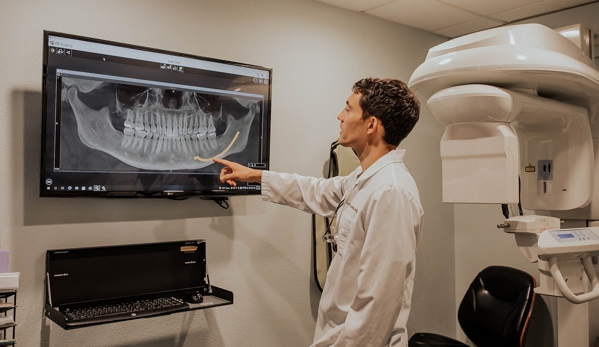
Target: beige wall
{"type": "Point", "coordinates": [259, 251]}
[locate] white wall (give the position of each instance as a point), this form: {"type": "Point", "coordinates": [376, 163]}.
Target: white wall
{"type": "Point", "coordinates": [259, 251]}
{"type": "Point", "coordinates": [480, 244]}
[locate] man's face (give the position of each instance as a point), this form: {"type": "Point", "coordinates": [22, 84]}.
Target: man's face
{"type": "Point", "coordinates": [353, 126]}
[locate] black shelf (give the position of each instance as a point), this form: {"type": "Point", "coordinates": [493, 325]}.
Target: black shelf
{"type": "Point", "coordinates": [218, 297]}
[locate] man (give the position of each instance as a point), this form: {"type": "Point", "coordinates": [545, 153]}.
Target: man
{"type": "Point", "coordinates": [367, 296]}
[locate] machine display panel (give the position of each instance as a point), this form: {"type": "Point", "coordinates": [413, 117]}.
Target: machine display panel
{"type": "Point", "coordinates": [574, 235]}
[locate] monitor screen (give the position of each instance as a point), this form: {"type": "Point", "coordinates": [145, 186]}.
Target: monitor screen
{"type": "Point", "coordinates": [123, 120]}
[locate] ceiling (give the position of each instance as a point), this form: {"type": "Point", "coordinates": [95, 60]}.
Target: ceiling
{"type": "Point", "coordinates": [453, 18]}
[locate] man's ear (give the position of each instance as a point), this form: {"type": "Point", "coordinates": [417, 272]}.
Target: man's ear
{"type": "Point", "coordinates": [373, 124]}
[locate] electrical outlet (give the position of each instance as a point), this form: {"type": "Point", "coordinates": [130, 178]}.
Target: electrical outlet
{"type": "Point", "coordinates": [544, 187]}
{"type": "Point", "coordinates": [545, 170]}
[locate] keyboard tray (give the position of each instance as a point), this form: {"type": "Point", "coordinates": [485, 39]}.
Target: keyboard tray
{"type": "Point", "coordinates": [219, 297]}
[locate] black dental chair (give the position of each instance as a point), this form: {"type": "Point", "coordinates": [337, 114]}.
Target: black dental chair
{"type": "Point", "coordinates": [494, 312]}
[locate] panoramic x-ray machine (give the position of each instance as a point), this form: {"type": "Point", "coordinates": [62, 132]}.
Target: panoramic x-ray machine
{"type": "Point", "coordinates": [520, 108]}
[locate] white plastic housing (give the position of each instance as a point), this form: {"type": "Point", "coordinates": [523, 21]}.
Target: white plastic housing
{"type": "Point", "coordinates": [530, 224]}
{"type": "Point", "coordinates": [565, 244]}
{"type": "Point", "coordinates": [591, 211]}
{"type": "Point", "coordinates": [559, 134]}
{"type": "Point", "coordinates": [479, 163]}
{"type": "Point", "coordinates": [526, 230]}
{"type": "Point", "coordinates": [544, 84]}
{"type": "Point", "coordinates": [527, 56]}
{"type": "Point", "coordinates": [492, 135]}
{"type": "Point", "coordinates": [479, 150]}
{"type": "Point", "coordinates": [562, 249]}
{"type": "Point", "coordinates": [581, 36]}
{"type": "Point", "coordinates": [572, 272]}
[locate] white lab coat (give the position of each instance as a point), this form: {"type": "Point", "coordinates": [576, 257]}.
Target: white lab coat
{"type": "Point", "coordinates": [367, 296]}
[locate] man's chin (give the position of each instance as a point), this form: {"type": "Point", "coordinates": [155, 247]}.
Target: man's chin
{"type": "Point", "coordinates": [343, 143]}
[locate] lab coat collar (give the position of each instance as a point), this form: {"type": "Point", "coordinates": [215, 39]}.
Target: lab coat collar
{"type": "Point", "coordinates": [394, 156]}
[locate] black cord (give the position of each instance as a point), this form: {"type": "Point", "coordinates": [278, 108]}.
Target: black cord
{"type": "Point", "coordinates": [505, 210]}
{"type": "Point", "coordinates": [221, 201]}
{"type": "Point", "coordinates": [520, 196]}
{"type": "Point", "coordinates": [504, 207]}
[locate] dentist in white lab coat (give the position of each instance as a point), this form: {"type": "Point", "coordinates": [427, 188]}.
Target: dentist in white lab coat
{"type": "Point", "coordinates": [367, 297]}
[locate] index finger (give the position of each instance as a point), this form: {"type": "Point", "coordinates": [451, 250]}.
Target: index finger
{"type": "Point", "coordinates": [222, 161]}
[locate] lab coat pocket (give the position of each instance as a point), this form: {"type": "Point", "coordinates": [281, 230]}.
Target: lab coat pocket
{"type": "Point", "coordinates": [347, 224]}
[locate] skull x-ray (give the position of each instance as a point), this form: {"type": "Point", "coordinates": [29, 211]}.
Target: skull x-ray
{"type": "Point", "coordinates": [129, 127]}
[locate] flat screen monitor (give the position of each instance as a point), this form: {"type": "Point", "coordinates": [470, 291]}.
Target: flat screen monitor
{"type": "Point", "coordinates": [124, 120]}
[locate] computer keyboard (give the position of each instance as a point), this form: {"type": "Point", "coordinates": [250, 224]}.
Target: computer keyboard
{"type": "Point", "coordinates": [116, 312]}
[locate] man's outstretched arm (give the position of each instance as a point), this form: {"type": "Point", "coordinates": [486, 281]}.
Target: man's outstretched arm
{"type": "Point", "coordinates": [314, 195]}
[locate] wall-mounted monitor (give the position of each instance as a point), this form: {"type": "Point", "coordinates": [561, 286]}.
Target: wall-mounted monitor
{"type": "Point", "coordinates": [124, 120]}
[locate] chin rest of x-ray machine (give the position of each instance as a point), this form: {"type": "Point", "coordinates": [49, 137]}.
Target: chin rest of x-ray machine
{"type": "Point", "coordinates": [519, 105]}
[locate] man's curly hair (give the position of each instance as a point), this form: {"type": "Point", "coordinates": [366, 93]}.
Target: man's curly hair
{"type": "Point", "coordinates": [392, 102]}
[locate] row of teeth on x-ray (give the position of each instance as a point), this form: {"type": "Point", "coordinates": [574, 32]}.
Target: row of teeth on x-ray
{"type": "Point", "coordinates": [160, 131]}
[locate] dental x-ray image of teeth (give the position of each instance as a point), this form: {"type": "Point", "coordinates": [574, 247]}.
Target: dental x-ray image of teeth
{"type": "Point", "coordinates": [130, 127]}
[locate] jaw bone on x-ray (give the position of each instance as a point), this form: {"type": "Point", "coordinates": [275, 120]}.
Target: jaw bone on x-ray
{"type": "Point", "coordinates": [156, 128]}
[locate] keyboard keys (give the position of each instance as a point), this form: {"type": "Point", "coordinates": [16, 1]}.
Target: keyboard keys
{"type": "Point", "coordinates": [131, 307]}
